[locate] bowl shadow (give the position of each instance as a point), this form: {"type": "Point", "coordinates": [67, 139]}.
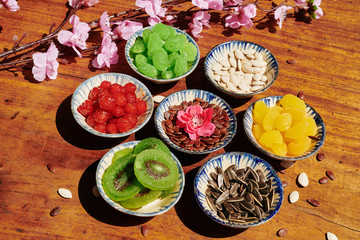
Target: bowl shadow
{"type": "Point", "coordinates": [97, 208]}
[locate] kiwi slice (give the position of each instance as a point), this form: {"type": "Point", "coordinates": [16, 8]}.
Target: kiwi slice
{"type": "Point", "coordinates": [151, 143]}
{"type": "Point", "coordinates": [155, 169]}
{"type": "Point", "coordinates": [167, 192]}
{"type": "Point", "coordinates": [141, 199]}
{"type": "Point", "coordinates": [119, 181]}
{"type": "Point", "coordinates": [121, 153]}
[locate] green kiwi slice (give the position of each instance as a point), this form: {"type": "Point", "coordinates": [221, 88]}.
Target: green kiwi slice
{"type": "Point", "coordinates": [119, 181]}
{"type": "Point", "coordinates": [121, 153]}
{"type": "Point", "coordinates": [152, 143]}
{"type": "Point", "coordinates": [155, 169]}
{"type": "Point", "coordinates": [167, 192]}
{"type": "Point", "coordinates": [141, 199]}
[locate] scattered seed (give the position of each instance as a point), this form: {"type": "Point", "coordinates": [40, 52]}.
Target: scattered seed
{"type": "Point", "coordinates": [303, 179]}
{"type": "Point", "coordinates": [294, 197]}
{"type": "Point", "coordinates": [144, 230]}
{"type": "Point", "coordinates": [287, 164]}
{"type": "Point", "coordinates": [330, 174]}
{"type": "Point", "coordinates": [283, 171]}
{"type": "Point", "coordinates": [323, 180]}
{"type": "Point", "coordinates": [51, 167]}
{"type": "Point", "coordinates": [301, 95]}
{"type": "Point", "coordinates": [158, 98]}
{"type": "Point", "coordinates": [282, 232]}
{"type": "Point", "coordinates": [314, 138]}
{"type": "Point", "coordinates": [55, 211]}
{"type": "Point", "coordinates": [65, 193]}
{"type": "Point", "coordinates": [285, 183]}
{"type": "Point", "coordinates": [291, 61]}
{"type": "Point", "coordinates": [331, 236]}
{"type": "Point", "coordinates": [313, 202]}
{"type": "Point", "coordinates": [15, 114]}
{"type": "Point", "coordinates": [320, 156]}
{"type": "Point", "coordinates": [95, 191]}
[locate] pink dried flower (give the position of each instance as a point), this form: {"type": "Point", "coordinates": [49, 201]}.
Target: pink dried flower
{"type": "Point", "coordinates": [10, 4]}
{"type": "Point", "coordinates": [300, 3]}
{"type": "Point", "coordinates": [153, 9]}
{"type": "Point", "coordinates": [126, 28]}
{"type": "Point", "coordinates": [108, 53]}
{"type": "Point", "coordinates": [104, 23]}
{"type": "Point", "coordinates": [199, 20]}
{"type": "Point", "coordinates": [78, 36]}
{"type": "Point", "coordinates": [45, 64]}
{"type": "Point", "coordinates": [318, 11]}
{"type": "Point", "coordinates": [232, 2]}
{"type": "Point", "coordinates": [87, 3]}
{"type": "Point", "coordinates": [209, 4]}
{"type": "Point", "coordinates": [243, 18]}
{"type": "Point", "coordinates": [196, 121]}
{"type": "Point", "coordinates": [280, 14]}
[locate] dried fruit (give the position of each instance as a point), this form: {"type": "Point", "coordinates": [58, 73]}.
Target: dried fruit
{"type": "Point", "coordinates": [330, 174]}
{"type": "Point", "coordinates": [282, 232]}
{"type": "Point", "coordinates": [55, 211]}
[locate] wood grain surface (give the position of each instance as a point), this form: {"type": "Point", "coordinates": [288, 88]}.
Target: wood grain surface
{"type": "Point", "coordinates": [37, 128]}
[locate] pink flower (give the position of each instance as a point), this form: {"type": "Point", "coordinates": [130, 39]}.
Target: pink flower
{"type": "Point", "coordinates": [243, 18]}
{"type": "Point", "coordinates": [301, 3]}
{"type": "Point", "coordinates": [233, 2]}
{"type": "Point", "coordinates": [126, 28]}
{"type": "Point", "coordinates": [104, 23]}
{"type": "Point", "coordinates": [208, 4]}
{"type": "Point", "coordinates": [87, 3]}
{"type": "Point", "coordinates": [199, 20]}
{"type": "Point", "coordinates": [318, 12]}
{"type": "Point", "coordinates": [196, 121]}
{"type": "Point", "coordinates": [77, 37]}
{"type": "Point", "coordinates": [45, 64]}
{"type": "Point", "coordinates": [108, 53]}
{"type": "Point", "coordinates": [153, 9]}
{"type": "Point", "coordinates": [280, 14]}
{"type": "Point", "coordinates": [11, 5]}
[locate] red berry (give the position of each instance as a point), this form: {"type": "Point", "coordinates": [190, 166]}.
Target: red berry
{"type": "Point", "coordinates": [107, 102]}
{"type": "Point", "coordinates": [130, 87]}
{"type": "Point", "coordinates": [130, 108]}
{"type": "Point", "coordinates": [130, 97]}
{"type": "Point", "coordinates": [112, 128]}
{"type": "Point", "coordinates": [141, 107]}
{"type": "Point", "coordinates": [100, 127]}
{"type": "Point", "coordinates": [94, 93]}
{"type": "Point", "coordinates": [118, 111]}
{"type": "Point", "coordinates": [115, 87]}
{"type": "Point", "coordinates": [105, 84]}
{"type": "Point", "coordinates": [101, 115]}
{"type": "Point", "coordinates": [119, 99]}
{"type": "Point", "coordinates": [90, 120]}
{"type": "Point", "coordinates": [86, 108]}
{"type": "Point", "coordinates": [124, 125]}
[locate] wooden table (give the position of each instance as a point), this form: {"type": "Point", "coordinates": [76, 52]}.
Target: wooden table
{"type": "Point", "coordinates": [37, 128]}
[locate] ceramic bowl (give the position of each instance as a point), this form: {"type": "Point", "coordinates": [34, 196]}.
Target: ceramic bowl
{"type": "Point", "coordinates": [139, 33]}
{"type": "Point", "coordinates": [156, 207]}
{"type": "Point", "coordinates": [82, 91]}
{"type": "Point", "coordinates": [189, 95]}
{"type": "Point", "coordinates": [222, 50]}
{"type": "Point", "coordinates": [270, 102]}
{"type": "Point", "coordinates": [241, 161]}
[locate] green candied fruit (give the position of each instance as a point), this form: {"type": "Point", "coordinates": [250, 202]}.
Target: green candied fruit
{"type": "Point", "coordinates": [168, 74]}
{"type": "Point", "coordinates": [146, 35]}
{"type": "Point", "coordinates": [139, 46]}
{"type": "Point", "coordinates": [140, 59]}
{"type": "Point", "coordinates": [148, 70]}
{"type": "Point", "coordinates": [172, 57]}
{"type": "Point", "coordinates": [180, 65]}
{"type": "Point", "coordinates": [174, 44]}
{"type": "Point", "coordinates": [154, 42]}
{"type": "Point", "coordinates": [164, 31]}
{"type": "Point", "coordinates": [189, 50]}
{"type": "Point", "coordinates": [160, 59]}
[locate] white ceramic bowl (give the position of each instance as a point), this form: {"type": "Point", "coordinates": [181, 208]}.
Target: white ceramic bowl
{"type": "Point", "coordinates": [82, 91]}
{"type": "Point", "coordinates": [156, 207]}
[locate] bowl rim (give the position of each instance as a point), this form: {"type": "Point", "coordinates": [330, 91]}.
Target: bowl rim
{"type": "Point", "coordinates": [159, 80]}
{"type": "Point", "coordinates": [254, 158]}
{"type": "Point", "coordinates": [118, 76]}
{"type": "Point", "coordinates": [116, 205]}
{"type": "Point", "coordinates": [166, 139]}
{"type": "Point", "coordinates": [234, 94]}
{"type": "Point", "coordinates": [251, 137]}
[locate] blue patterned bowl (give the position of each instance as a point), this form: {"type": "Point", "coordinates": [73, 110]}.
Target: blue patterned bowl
{"type": "Point", "coordinates": [139, 33]}
{"type": "Point", "coordinates": [218, 52]}
{"type": "Point", "coordinates": [188, 95]}
{"type": "Point", "coordinates": [240, 160]}
{"type": "Point", "coordinates": [270, 102]}
{"type": "Point", "coordinates": [82, 91]}
{"type": "Point", "coordinates": [156, 207]}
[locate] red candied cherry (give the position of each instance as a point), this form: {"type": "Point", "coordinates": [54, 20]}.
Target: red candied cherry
{"type": "Point", "coordinates": [124, 124]}
{"type": "Point", "coordinates": [115, 87]}
{"type": "Point", "coordinates": [101, 115]}
{"type": "Point", "coordinates": [100, 127]}
{"type": "Point", "coordinates": [132, 118]}
{"type": "Point", "coordinates": [94, 93]}
{"type": "Point", "coordinates": [130, 108]}
{"type": "Point", "coordinates": [118, 111]}
{"type": "Point", "coordinates": [96, 105]}
{"type": "Point", "coordinates": [119, 99]}
{"type": "Point", "coordinates": [113, 120]}
{"type": "Point", "coordinates": [130, 97]}
{"type": "Point", "coordinates": [103, 92]}
{"type": "Point", "coordinates": [130, 87]}
{"type": "Point", "coordinates": [107, 102]}
{"type": "Point", "coordinates": [105, 84]}
{"type": "Point", "coordinates": [86, 108]}
{"type": "Point", "coordinates": [141, 107]}
{"type": "Point", "coordinates": [90, 120]}
{"type": "Point", "coordinates": [111, 128]}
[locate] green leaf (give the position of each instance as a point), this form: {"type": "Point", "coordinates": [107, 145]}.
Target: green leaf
{"type": "Point", "coordinates": [311, 2]}
{"type": "Point", "coordinates": [312, 15]}
{"type": "Point", "coordinates": [314, 7]}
